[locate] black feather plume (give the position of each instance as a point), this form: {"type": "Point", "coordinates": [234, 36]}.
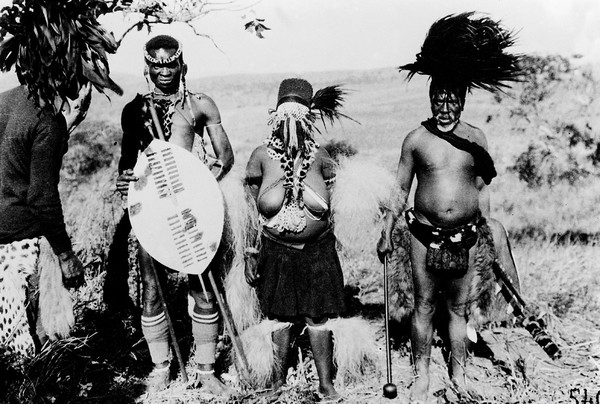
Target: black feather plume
{"type": "Point", "coordinates": [328, 101]}
{"type": "Point", "coordinates": [467, 51]}
{"type": "Point", "coordinates": [56, 46]}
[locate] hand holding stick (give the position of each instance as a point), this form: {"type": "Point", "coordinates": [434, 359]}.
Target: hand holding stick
{"type": "Point", "coordinates": [389, 390]}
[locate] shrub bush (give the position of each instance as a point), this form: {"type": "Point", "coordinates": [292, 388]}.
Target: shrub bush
{"type": "Point", "coordinates": [91, 148]}
{"type": "Point", "coordinates": [566, 153]}
{"type": "Point", "coordinates": [340, 148]}
{"type": "Point", "coordinates": [561, 150]}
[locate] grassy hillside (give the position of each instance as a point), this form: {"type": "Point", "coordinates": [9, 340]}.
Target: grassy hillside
{"type": "Point", "coordinates": [553, 226]}
{"type": "Point", "coordinates": [388, 107]}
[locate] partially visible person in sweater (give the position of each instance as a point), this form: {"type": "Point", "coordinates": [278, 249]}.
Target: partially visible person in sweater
{"type": "Point", "coordinates": [33, 141]}
{"type": "Point", "coordinates": [35, 122]}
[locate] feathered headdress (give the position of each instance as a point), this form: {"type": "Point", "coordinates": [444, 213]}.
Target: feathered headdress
{"type": "Point", "coordinates": [56, 46]}
{"type": "Point", "coordinates": [467, 51]}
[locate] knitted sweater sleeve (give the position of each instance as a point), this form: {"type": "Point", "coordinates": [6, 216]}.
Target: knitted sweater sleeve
{"type": "Point", "coordinates": [133, 130]}
{"type": "Point", "coordinates": [48, 145]}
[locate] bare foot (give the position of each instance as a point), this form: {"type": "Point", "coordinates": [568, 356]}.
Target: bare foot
{"type": "Point", "coordinates": [210, 384]}
{"type": "Point", "coordinates": [328, 394]}
{"type": "Point", "coordinates": [158, 379]}
{"type": "Point", "coordinates": [419, 390]}
{"type": "Point", "coordinates": [459, 382]}
{"type": "Point", "coordinates": [464, 393]}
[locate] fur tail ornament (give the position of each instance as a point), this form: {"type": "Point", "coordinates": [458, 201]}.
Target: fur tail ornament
{"type": "Point", "coordinates": [355, 352]}
{"type": "Point", "coordinates": [361, 190]}
{"type": "Point", "coordinates": [242, 220]}
{"type": "Point", "coordinates": [259, 348]}
{"type": "Point", "coordinates": [401, 288]}
{"type": "Point", "coordinates": [56, 305]}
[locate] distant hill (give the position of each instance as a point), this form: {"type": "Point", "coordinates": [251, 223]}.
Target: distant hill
{"type": "Point", "coordinates": [243, 91]}
{"type": "Point", "coordinates": [380, 99]}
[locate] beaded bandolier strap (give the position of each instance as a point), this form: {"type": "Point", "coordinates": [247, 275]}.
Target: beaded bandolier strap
{"type": "Point", "coordinates": [165, 109]}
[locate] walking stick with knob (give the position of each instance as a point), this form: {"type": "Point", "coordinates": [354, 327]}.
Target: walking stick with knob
{"type": "Point", "coordinates": [389, 389]}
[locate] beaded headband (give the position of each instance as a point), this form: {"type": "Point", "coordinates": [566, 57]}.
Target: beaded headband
{"type": "Point", "coordinates": [162, 61]}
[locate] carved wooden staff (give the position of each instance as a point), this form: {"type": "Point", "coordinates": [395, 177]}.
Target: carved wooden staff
{"type": "Point", "coordinates": [532, 324]}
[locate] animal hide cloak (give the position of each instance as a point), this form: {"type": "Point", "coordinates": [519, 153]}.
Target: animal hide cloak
{"type": "Point", "coordinates": [484, 303]}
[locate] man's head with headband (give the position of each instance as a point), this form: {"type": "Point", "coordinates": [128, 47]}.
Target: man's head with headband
{"type": "Point", "coordinates": [164, 63]}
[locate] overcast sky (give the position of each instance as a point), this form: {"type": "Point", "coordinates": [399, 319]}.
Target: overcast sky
{"type": "Point", "coordinates": [316, 35]}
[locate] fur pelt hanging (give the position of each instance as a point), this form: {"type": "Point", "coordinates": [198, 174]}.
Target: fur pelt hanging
{"type": "Point", "coordinates": [260, 351]}
{"type": "Point", "coordinates": [355, 352]}
{"type": "Point", "coordinates": [362, 189]}
{"type": "Point", "coordinates": [469, 51]}
{"type": "Point", "coordinates": [485, 303]}
{"type": "Point", "coordinates": [241, 220]}
{"type": "Point", "coordinates": [56, 304]}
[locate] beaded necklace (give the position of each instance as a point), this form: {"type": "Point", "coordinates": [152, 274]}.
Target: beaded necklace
{"type": "Point", "coordinates": [165, 108]}
{"type": "Point", "coordinates": [292, 217]}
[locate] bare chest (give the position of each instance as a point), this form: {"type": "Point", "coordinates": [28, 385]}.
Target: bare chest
{"type": "Point", "coordinates": [180, 129]}
{"type": "Point", "coordinates": [439, 155]}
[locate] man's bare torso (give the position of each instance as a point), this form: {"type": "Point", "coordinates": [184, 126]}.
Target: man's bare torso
{"type": "Point", "coordinates": [447, 193]}
{"type": "Point", "coordinates": [182, 131]}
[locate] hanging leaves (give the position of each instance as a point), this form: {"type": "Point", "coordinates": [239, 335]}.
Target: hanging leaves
{"type": "Point", "coordinates": [56, 46]}
{"type": "Point", "coordinates": [256, 27]}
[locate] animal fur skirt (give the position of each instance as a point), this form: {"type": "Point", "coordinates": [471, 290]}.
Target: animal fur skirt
{"type": "Point", "coordinates": [483, 301]}
{"type": "Point", "coordinates": [25, 265]}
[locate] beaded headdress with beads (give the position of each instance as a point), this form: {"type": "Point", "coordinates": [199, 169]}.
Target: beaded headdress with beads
{"type": "Point", "coordinates": [296, 113]}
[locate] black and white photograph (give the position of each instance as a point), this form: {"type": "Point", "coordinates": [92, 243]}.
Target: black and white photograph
{"type": "Point", "coordinates": [299, 201]}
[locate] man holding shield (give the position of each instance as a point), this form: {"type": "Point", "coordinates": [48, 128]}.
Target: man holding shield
{"type": "Point", "coordinates": [182, 117]}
